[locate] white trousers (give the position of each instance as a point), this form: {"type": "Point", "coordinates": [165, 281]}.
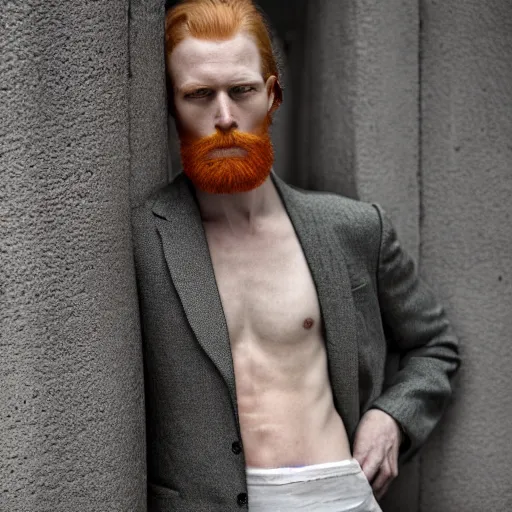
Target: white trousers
{"type": "Point", "coordinates": [331, 487]}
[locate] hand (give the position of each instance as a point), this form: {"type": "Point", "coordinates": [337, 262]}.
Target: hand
{"type": "Point", "coordinates": [376, 447]}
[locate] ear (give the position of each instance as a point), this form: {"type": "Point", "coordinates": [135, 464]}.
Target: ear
{"type": "Point", "coordinates": [269, 86]}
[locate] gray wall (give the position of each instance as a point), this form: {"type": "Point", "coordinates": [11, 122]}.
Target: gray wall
{"type": "Point", "coordinates": [71, 387]}
{"type": "Point", "coordinates": [466, 243]}
{"type": "Point", "coordinates": [416, 116]}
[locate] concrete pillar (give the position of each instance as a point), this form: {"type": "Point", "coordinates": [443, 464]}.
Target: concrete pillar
{"type": "Point", "coordinates": [359, 106]}
{"type": "Point", "coordinates": [466, 176]}
{"type": "Point", "coordinates": [148, 96]}
{"type": "Point", "coordinates": [71, 388]}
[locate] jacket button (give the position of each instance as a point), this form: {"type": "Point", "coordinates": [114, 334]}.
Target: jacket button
{"type": "Point", "coordinates": [241, 499]}
{"type": "Point", "coordinates": [236, 447]}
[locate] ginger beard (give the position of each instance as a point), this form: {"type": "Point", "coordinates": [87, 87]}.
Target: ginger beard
{"type": "Point", "coordinates": [228, 174]}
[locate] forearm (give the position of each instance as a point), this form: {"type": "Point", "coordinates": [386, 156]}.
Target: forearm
{"type": "Point", "coordinates": [417, 394]}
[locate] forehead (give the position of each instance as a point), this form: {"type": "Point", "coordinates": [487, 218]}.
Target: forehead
{"type": "Point", "coordinates": [215, 62]}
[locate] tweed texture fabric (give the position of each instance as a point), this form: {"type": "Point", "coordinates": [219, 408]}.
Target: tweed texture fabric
{"type": "Point", "coordinates": [370, 297]}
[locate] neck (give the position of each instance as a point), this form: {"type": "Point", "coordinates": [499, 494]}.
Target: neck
{"type": "Point", "coordinates": [239, 213]}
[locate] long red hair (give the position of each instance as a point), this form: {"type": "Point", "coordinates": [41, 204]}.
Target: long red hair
{"type": "Point", "coordinates": [221, 20]}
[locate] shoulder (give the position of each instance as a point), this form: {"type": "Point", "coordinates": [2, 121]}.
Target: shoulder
{"type": "Point", "coordinates": [144, 220]}
{"type": "Point", "coordinates": [358, 219]}
{"type": "Point", "coordinates": [352, 226]}
{"type": "Point", "coordinates": [166, 193]}
{"type": "Point", "coordinates": [157, 202]}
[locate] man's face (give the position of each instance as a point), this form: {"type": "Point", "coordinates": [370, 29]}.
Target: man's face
{"type": "Point", "coordinates": [221, 110]}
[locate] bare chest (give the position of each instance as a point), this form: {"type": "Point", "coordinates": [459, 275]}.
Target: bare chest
{"type": "Point", "coordinates": [265, 285]}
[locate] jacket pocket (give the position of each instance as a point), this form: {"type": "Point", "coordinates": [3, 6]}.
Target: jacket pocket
{"type": "Point", "coordinates": [164, 499]}
{"type": "Point", "coordinates": [360, 286]}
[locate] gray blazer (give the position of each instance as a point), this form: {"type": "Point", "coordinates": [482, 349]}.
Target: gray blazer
{"type": "Point", "coordinates": [372, 303]}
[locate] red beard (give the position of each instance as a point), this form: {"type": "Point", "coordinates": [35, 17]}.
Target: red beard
{"type": "Point", "coordinates": [229, 174]}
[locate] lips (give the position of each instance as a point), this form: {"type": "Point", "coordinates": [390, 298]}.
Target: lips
{"type": "Point", "coordinates": [229, 152]}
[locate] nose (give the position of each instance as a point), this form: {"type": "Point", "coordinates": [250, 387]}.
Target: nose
{"type": "Point", "coordinates": [224, 119]}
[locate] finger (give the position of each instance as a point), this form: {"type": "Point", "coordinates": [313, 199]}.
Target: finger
{"type": "Point", "coordinates": [383, 477]}
{"type": "Point", "coordinates": [371, 467]}
{"type": "Point", "coordinates": [393, 464]}
{"type": "Point", "coordinates": [383, 491]}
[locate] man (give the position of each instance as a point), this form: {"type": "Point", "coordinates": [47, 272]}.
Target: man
{"type": "Point", "coordinates": [264, 307]}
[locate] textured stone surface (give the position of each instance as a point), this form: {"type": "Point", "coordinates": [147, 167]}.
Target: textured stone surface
{"type": "Point", "coordinates": [71, 389]}
{"type": "Point", "coordinates": [359, 106]}
{"type": "Point", "coordinates": [326, 139]}
{"type": "Point", "coordinates": [386, 110]}
{"type": "Point", "coordinates": [148, 113]}
{"type": "Point", "coordinates": [467, 243]}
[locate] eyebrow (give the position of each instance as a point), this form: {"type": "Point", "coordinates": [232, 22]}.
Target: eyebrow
{"type": "Point", "coordinates": [194, 86]}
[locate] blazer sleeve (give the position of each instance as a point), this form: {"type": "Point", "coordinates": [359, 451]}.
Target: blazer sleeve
{"type": "Point", "coordinates": [418, 393]}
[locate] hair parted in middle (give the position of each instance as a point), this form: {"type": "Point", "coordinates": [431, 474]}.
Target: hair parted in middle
{"type": "Point", "coordinates": [221, 20]}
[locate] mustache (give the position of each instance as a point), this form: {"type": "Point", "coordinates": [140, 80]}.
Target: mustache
{"type": "Point", "coordinates": [224, 140]}
{"type": "Point", "coordinates": [221, 140]}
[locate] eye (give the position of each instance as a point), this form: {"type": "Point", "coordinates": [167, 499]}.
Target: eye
{"type": "Point", "coordinates": [242, 89]}
{"type": "Point", "coordinates": [198, 93]}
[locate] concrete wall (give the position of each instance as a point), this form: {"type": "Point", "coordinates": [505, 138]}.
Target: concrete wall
{"type": "Point", "coordinates": [147, 112]}
{"type": "Point", "coordinates": [466, 243]}
{"type": "Point", "coordinates": [71, 388]}
{"type": "Point", "coordinates": [378, 106]}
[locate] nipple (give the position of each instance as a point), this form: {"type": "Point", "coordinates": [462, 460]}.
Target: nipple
{"type": "Point", "coordinates": [308, 323]}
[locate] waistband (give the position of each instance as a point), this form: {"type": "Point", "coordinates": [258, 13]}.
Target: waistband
{"type": "Point", "coordinates": [285, 475]}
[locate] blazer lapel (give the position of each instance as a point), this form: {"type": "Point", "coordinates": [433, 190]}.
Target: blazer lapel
{"type": "Point", "coordinates": [186, 251]}
{"type": "Point", "coordinates": [323, 249]}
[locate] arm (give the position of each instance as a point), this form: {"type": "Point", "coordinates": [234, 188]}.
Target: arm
{"type": "Point", "coordinates": [418, 392]}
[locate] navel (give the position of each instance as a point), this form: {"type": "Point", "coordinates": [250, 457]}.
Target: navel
{"type": "Point", "coordinates": [308, 323]}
